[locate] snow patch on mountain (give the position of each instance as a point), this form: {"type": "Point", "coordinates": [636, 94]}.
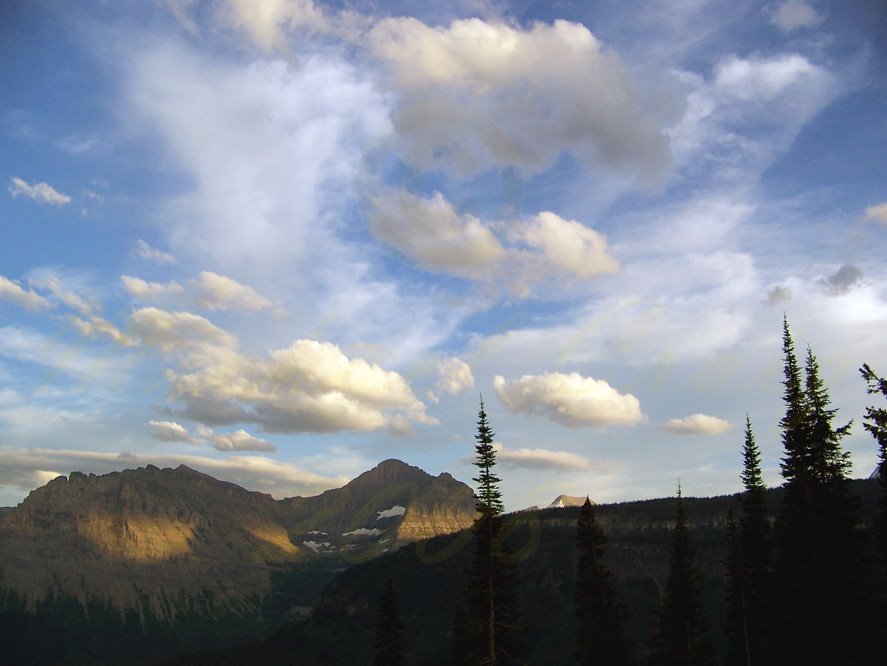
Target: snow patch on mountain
{"type": "Point", "coordinates": [396, 510]}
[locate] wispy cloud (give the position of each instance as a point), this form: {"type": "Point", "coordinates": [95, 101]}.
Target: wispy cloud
{"type": "Point", "coordinates": [12, 292]}
{"type": "Point", "coordinates": [39, 192]}
{"type": "Point", "coordinates": [145, 251]}
{"type": "Point", "coordinates": [541, 459]}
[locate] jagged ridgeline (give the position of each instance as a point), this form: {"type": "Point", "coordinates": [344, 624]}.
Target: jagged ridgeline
{"type": "Point", "coordinates": [175, 560]}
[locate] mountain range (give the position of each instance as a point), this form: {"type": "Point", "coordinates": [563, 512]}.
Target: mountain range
{"type": "Point", "coordinates": [173, 536]}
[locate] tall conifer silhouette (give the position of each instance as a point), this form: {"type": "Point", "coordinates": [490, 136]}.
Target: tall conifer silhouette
{"type": "Point", "coordinates": [750, 566]}
{"type": "Point", "coordinates": [820, 564]}
{"type": "Point", "coordinates": [491, 592]}
{"type": "Point", "coordinates": [600, 639]}
{"type": "Point", "coordinates": [389, 631]}
{"type": "Point", "coordinates": [679, 634]}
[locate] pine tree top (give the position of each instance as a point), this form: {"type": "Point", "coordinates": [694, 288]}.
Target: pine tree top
{"type": "Point", "coordinates": [488, 494]}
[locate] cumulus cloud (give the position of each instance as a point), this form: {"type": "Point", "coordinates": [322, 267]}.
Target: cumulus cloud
{"type": "Point", "coordinates": [10, 291]}
{"type": "Point", "coordinates": [454, 376]}
{"type": "Point", "coordinates": [877, 213]}
{"type": "Point", "coordinates": [541, 459]}
{"type": "Point", "coordinates": [432, 233]}
{"type": "Point", "coordinates": [567, 247]}
{"type": "Point", "coordinates": [696, 424]}
{"type": "Point", "coordinates": [240, 440]}
{"type": "Point", "coordinates": [219, 292]}
{"type": "Point", "coordinates": [146, 291]}
{"type": "Point", "coordinates": [842, 280]}
{"type": "Point", "coordinates": [169, 431]}
{"type": "Point", "coordinates": [438, 238]}
{"type": "Point", "coordinates": [569, 399]}
{"type": "Point", "coordinates": [94, 327]}
{"type": "Point", "coordinates": [477, 94]}
{"type": "Point", "coordinates": [149, 253]}
{"type": "Point", "coordinates": [22, 467]}
{"type": "Point", "coordinates": [39, 192]}
{"type": "Point", "coordinates": [794, 14]}
{"type": "Point", "coordinates": [310, 386]}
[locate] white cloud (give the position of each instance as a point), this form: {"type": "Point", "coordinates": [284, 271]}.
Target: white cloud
{"type": "Point", "coordinates": [39, 192]}
{"type": "Point", "coordinates": [149, 253]}
{"type": "Point", "coordinates": [566, 246]}
{"type": "Point", "coordinates": [218, 292]}
{"type": "Point", "coordinates": [696, 424]}
{"type": "Point", "coordinates": [240, 440]}
{"type": "Point", "coordinates": [309, 386]}
{"type": "Point", "coordinates": [20, 467]}
{"type": "Point", "coordinates": [541, 459]}
{"type": "Point", "coordinates": [145, 291]}
{"type": "Point", "coordinates": [764, 79]}
{"type": "Point", "coordinates": [272, 149]}
{"type": "Point", "coordinates": [169, 431]}
{"type": "Point", "coordinates": [431, 232]}
{"type": "Point", "coordinates": [478, 94]}
{"type": "Point", "coordinates": [10, 291]}
{"type": "Point", "coordinates": [545, 247]}
{"type": "Point", "coordinates": [267, 21]}
{"type": "Point", "coordinates": [569, 399]}
{"type": "Point", "coordinates": [877, 213]}
{"type": "Point", "coordinates": [95, 326]}
{"type": "Point", "coordinates": [454, 376]}
{"type": "Point", "coordinates": [170, 332]}
{"type": "Point", "coordinates": [794, 14]}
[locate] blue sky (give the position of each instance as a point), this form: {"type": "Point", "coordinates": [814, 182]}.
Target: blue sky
{"type": "Point", "coordinates": [280, 240]}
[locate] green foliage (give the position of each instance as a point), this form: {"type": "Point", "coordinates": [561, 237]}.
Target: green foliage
{"type": "Point", "coordinates": [680, 631]}
{"type": "Point", "coordinates": [488, 494]}
{"type": "Point", "coordinates": [389, 632]}
{"type": "Point", "coordinates": [600, 637]}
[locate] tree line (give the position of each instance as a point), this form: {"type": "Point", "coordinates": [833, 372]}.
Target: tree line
{"type": "Point", "coordinates": [809, 587]}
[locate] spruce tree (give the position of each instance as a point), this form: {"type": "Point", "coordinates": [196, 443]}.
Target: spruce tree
{"type": "Point", "coordinates": [820, 564]}
{"type": "Point", "coordinates": [491, 592]}
{"type": "Point", "coordinates": [601, 638]}
{"type": "Point", "coordinates": [749, 565]}
{"type": "Point", "coordinates": [679, 633]}
{"type": "Point", "coordinates": [876, 424]}
{"type": "Point", "coordinates": [389, 631]}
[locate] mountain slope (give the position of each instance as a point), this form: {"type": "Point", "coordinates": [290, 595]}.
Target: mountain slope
{"type": "Point", "coordinates": [178, 534]}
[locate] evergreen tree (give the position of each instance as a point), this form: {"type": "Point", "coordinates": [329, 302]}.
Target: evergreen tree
{"type": "Point", "coordinates": [389, 631]}
{"type": "Point", "coordinates": [820, 565]}
{"type": "Point", "coordinates": [601, 637]}
{"type": "Point", "coordinates": [491, 592]}
{"type": "Point", "coordinates": [679, 634]}
{"type": "Point", "coordinates": [876, 424]}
